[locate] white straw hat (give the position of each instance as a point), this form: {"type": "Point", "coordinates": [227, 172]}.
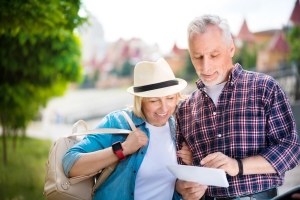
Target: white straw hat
{"type": "Point", "coordinates": [155, 79]}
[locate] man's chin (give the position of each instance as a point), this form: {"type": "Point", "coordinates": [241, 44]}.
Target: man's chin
{"type": "Point", "coordinates": [210, 83]}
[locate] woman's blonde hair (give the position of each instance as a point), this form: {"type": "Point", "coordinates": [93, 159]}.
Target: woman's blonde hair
{"type": "Point", "coordinates": [137, 105]}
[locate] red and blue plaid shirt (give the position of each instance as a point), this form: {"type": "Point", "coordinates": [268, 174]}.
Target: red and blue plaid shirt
{"type": "Point", "coordinates": [252, 117]}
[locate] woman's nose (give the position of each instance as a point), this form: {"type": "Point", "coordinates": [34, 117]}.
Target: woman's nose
{"type": "Point", "coordinates": [164, 106]}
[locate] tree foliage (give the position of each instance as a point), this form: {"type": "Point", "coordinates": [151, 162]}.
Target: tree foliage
{"type": "Point", "coordinates": [126, 69]}
{"type": "Point", "coordinates": [246, 57]}
{"type": "Point", "coordinates": [293, 39]}
{"type": "Point", "coordinates": [188, 71]}
{"type": "Point", "coordinates": [35, 16]}
{"type": "Point", "coordinates": [294, 43]}
{"type": "Point", "coordinates": [39, 54]}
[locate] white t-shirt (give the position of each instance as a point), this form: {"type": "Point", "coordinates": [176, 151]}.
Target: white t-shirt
{"type": "Point", "coordinates": [214, 91]}
{"type": "Point", "coordinates": [154, 181]}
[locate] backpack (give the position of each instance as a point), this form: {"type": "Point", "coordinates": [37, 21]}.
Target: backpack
{"type": "Point", "coordinates": [57, 185]}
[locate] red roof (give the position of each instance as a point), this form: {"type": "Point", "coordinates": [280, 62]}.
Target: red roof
{"type": "Point", "coordinates": [245, 34]}
{"type": "Point", "coordinates": [177, 50]}
{"type": "Point", "coordinates": [278, 43]}
{"type": "Point", "coordinates": [295, 16]}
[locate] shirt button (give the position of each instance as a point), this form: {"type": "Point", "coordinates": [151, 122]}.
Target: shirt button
{"type": "Point", "coordinates": [134, 171]}
{"type": "Point", "coordinates": [214, 113]}
{"type": "Point", "coordinates": [219, 135]}
{"type": "Point", "coordinates": [206, 95]}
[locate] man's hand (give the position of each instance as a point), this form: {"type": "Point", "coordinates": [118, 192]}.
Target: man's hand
{"type": "Point", "coordinates": [296, 196]}
{"type": "Point", "coordinates": [220, 161]}
{"type": "Point", "coordinates": [190, 190]}
{"type": "Point", "coordinates": [185, 154]}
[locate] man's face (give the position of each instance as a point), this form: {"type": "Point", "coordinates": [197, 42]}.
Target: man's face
{"type": "Point", "coordinates": [211, 56]}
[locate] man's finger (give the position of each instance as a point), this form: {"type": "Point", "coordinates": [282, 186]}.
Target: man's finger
{"type": "Point", "coordinates": [210, 157]}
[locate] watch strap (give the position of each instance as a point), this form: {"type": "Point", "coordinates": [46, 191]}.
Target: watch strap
{"type": "Point", "coordinates": [120, 154]}
{"type": "Point", "coordinates": [118, 150]}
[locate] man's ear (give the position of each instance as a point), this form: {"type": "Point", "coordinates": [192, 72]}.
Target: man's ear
{"type": "Point", "coordinates": [231, 49]}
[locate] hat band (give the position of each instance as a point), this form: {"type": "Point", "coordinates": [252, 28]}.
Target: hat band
{"type": "Point", "coordinates": [155, 86]}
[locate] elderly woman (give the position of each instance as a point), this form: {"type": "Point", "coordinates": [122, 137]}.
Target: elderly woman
{"type": "Point", "coordinates": [145, 152]}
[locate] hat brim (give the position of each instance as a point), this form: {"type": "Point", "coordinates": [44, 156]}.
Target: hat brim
{"type": "Point", "coordinates": [161, 91]}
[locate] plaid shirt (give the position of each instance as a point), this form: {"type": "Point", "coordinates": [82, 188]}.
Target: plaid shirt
{"type": "Point", "coordinates": [252, 117]}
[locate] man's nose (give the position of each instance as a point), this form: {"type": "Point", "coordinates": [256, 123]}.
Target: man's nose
{"type": "Point", "coordinates": [205, 65]}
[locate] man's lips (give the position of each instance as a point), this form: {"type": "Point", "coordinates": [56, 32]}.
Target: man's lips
{"type": "Point", "coordinates": [208, 76]}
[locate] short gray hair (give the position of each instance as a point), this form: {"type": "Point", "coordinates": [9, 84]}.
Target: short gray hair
{"type": "Point", "coordinates": [199, 24]}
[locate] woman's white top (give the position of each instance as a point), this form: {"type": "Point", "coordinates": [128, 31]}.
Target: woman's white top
{"type": "Point", "coordinates": [154, 181]}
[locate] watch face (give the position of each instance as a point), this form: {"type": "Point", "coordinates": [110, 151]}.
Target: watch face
{"type": "Point", "coordinates": [117, 146]}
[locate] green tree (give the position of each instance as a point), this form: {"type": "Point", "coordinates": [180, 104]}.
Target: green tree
{"type": "Point", "coordinates": [246, 57]}
{"type": "Point", "coordinates": [126, 69]}
{"type": "Point", "coordinates": [40, 55]}
{"type": "Point", "coordinates": [188, 71]}
{"type": "Point", "coordinates": [294, 43]}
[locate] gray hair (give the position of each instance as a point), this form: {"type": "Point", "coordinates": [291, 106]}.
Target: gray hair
{"type": "Point", "coordinates": [199, 24]}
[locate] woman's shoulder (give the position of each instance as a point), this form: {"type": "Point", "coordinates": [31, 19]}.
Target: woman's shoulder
{"type": "Point", "coordinates": [117, 119]}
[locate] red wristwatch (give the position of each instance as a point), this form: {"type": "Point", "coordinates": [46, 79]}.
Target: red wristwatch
{"type": "Point", "coordinates": [118, 150]}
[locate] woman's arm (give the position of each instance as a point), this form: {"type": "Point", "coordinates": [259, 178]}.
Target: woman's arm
{"type": "Point", "coordinates": [92, 162]}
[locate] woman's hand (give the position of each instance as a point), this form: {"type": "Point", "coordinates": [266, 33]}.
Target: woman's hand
{"type": "Point", "coordinates": [135, 140]}
{"type": "Point", "coordinates": [190, 190]}
{"type": "Point", "coordinates": [185, 154]}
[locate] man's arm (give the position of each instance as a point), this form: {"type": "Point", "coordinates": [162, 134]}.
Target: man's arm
{"type": "Point", "coordinates": [251, 165]}
{"type": "Point", "coordinates": [257, 165]}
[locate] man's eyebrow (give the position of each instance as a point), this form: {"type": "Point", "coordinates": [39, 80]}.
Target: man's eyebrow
{"type": "Point", "coordinates": [214, 51]}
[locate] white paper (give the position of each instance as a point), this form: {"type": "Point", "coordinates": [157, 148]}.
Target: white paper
{"type": "Point", "coordinates": [202, 175]}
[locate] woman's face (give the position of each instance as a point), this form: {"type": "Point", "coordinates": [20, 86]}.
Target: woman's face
{"type": "Point", "coordinates": [158, 110]}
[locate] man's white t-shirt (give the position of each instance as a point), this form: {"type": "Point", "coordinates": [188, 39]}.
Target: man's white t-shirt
{"type": "Point", "coordinates": [154, 181]}
{"type": "Point", "coordinates": [214, 91]}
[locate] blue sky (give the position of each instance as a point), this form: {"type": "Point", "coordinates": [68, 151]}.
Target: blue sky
{"type": "Point", "coordinates": [164, 21]}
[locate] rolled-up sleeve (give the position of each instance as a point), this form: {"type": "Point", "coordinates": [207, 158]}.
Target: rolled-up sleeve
{"type": "Point", "coordinates": [284, 150]}
{"type": "Point", "coordinates": [69, 159]}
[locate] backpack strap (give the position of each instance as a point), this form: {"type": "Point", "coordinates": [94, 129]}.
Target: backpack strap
{"type": "Point", "coordinates": [108, 170]}
{"type": "Point", "coordinates": [95, 131]}
{"type": "Point", "coordinates": [130, 122]}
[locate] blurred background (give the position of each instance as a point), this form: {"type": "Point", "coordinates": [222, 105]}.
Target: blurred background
{"type": "Point", "coordinates": [62, 61]}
